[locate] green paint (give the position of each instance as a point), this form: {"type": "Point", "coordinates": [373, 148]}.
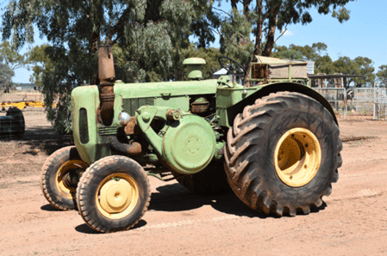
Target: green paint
{"type": "Point", "coordinates": [186, 145]}
{"type": "Point", "coordinates": [194, 67]}
{"type": "Point", "coordinates": [86, 97]}
{"type": "Point", "coordinates": [187, 142]}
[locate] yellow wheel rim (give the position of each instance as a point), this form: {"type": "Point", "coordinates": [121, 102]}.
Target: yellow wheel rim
{"type": "Point", "coordinates": [117, 195]}
{"type": "Point", "coordinates": [68, 166]}
{"type": "Point", "coordinates": [297, 157]}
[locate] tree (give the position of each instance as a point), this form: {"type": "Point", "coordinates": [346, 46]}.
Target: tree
{"type": "Point", "coordinates": [358, 66]}
{"type": "Point", "coordinates": [382, 75]}
{"type": "Point", "coordinates": [317, 53]}
{"type": "Point", "coordinates": [235, 38]}
{"type": "Point", "coordinates": [266, 16]}
{"type": "Point", "coordinates": [6, 74]}
{"type": "Point", "coordinates": [152, 34]}
{"type": "Point", "coordinates": [210, 55]}
{"type": "Point", "coordinates": [9, 61]}
{"type": "Point", "coordinates": [11, 57]}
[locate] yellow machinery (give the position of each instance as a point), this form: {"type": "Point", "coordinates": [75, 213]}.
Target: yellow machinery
{"type": "Point", "coordinates": [23, 104]}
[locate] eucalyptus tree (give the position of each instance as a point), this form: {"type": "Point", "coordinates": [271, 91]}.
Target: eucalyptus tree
{"type": "Point", "coordinates": [267, 16]}
{"type": "Point", "coordinates": [147, 36]}
{"type": "Point", "coordinates": [6, 74]}
{"type": "Point", "coordinates": [382, 75]}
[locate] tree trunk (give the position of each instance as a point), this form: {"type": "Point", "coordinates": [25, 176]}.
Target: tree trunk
{"type": "Point", "coordinates": [234, 4]}
{"type": "Point", "coordinates": [246, 9]}
{"type": "Point", "coordinates": [271, 33]}
{"type": "Point", "coordinates": [258, 32]}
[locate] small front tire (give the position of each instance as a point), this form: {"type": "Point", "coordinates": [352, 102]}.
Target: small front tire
{"type": "Point", "coordinates": [113, 194]}
{"type": "Point", "coordinates": [60, 175]}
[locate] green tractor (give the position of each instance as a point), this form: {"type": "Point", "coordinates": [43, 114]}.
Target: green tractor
{"type": "Point", "coordinates": [274, 142]}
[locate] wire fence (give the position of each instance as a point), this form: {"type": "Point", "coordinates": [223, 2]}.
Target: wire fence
{"type": "Point", "coordinates": [365, 101]}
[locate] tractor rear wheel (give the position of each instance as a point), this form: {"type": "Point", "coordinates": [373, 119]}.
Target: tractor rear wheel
{"type": "Point", "coordinates": [212, 180]}
{"type": "Point", "coordinates": [113, 194]}
{"type": "Point", "coordinates": [60, 175]}
{"type": "Point", "coordinates": [282, 154]}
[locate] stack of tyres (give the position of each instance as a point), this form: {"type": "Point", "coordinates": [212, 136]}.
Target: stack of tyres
{"type": "Point", "coordinates": [12, 125]}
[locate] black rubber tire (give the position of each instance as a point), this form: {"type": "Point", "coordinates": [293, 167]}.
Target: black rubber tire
{"type": "Point", "coordinates": [210, 181]}
{"type": "Point", "coordinates": [89, 189]}
{"type": "Point", "coordinates": [18, 122]}
{"type": "Point", "coordinates": [251, 143]}
{"type": "Point", "coordinates": [58, 198]}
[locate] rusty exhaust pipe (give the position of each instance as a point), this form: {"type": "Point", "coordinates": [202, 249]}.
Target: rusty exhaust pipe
{"type": "Point", "coordinates": [106, 77]}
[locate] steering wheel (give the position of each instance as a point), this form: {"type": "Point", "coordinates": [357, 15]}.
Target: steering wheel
{"type": "Point", "coordinates": [232, 67]}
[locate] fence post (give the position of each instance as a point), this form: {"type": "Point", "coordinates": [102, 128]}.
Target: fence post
{"type": "Point", "coordinates": [345, 102]}
{"type": "Point", "coordinates": [374, 102]}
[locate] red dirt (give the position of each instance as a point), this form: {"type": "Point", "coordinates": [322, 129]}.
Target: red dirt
{"type": "Point", "coordinates": [351, 222]}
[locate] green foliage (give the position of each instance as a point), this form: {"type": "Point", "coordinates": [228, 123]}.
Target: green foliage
{"type": "Point", "coordinates": [148, 38]}
{"type": "Point", "coordinates": [382, 75]}
{"type": "Point", "coordinates": [324, 64]}
{"type": "Point", "coordinates": [358, 66]}
{"type": "Point", "coordinates": [316, 53]}
{"type": "Point", "coordinates": [268, 15]}
{"type": "Point", "coordinates": [11, 57]}
{"type": "Point", "coordinates": [210, 55]}
{"type": "Point", "coordinates": [6, 74]}
{"type": "Point", "coordinates": [235, 38]}
{"type": "Point", "coordinates": [296, 52]}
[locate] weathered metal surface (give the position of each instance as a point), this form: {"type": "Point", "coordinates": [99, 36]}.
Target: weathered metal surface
{"type": "Point", "coordinates": [85, 97]}
{"type": "Point", "coordinates": [163, 96]}
{"type": "Point", "coordinates": [131, 105]}
{"type": "Point", "coordinates": [131, 127]}
{"type": "Point", "coordinates": [186, 146]}
{"type": "Point", "coordinates": [200, 105]}
{"type": "Point", "coordinates": [131, 149]}
{"type": "Point", "coordinates": [106, 76]}
{"type": "Point", "coordinates": [194, 67]}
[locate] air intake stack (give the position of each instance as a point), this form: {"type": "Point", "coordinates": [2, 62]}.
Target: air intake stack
{"type": "Point", "coordinates": [194, 68]}
{"type": "Point", "coordinates": [106, 77]}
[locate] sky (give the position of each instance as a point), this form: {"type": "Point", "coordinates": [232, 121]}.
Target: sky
{"type": "Point", "coordinates": [364, 34]}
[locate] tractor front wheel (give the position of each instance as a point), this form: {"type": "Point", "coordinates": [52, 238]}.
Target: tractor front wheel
{"type": "Point", "coordinates": [282, 154]}
{"type": "Point", "coordinates": [113, 194]}
{"type": "Point", "coordinates": [60, 175]}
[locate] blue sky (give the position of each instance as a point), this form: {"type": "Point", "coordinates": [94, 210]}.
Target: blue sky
{"type": "Point", "coordinates": [364, 34]}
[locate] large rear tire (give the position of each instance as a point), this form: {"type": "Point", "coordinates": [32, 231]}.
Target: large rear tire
{"type": "Point", "coordinates": [282, 154]}
{"type": "Point", "coordinates": [113, 194]}
{"type": "Point", "coordinates": [60, 175]}
{"type": "Point", "coordinates": [210, 181]}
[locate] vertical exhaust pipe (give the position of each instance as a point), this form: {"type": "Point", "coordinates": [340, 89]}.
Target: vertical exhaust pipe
{"type": "Point", "coordinates": [106, 77]}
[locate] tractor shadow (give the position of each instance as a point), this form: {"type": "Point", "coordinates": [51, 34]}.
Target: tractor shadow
{"type": "Point", "coordinates": [44, 139]}
{"type": "Point", "coordinates": [85, 229]}
{"type": "Point", "coordinates": [175, 198]}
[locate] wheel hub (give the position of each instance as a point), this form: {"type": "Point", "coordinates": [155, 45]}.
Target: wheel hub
{"type": "Point", "coordinates": [116, 195]}
{"type": "Point", "coordinates": [297, 157]}
{"type": "Point", "coordinates": [68, 176]}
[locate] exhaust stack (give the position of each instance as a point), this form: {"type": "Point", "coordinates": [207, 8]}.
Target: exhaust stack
{"type": "Point", "coordinates": [106, 77]}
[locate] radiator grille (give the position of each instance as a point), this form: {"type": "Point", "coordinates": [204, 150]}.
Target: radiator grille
{"type": "Point", "coordinates": [131, 105]}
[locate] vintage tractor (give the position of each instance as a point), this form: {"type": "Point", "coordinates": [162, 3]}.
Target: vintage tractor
{"type": "Point", "coordinates": [275, 142]}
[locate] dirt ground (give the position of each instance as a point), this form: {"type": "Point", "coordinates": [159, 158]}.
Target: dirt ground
{"type": "Point", "coordinates": [351, 222]}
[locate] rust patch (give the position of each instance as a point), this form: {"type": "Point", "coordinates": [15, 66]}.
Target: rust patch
{"type": "Point", "coordinates": [131, 127]}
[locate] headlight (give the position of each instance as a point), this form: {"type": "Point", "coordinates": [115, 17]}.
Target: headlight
{"type": "Point", "coordinates": [123, 118]}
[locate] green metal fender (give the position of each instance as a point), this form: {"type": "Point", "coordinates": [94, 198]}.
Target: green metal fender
{"type": "Point", "coordinates": [273, 88]}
